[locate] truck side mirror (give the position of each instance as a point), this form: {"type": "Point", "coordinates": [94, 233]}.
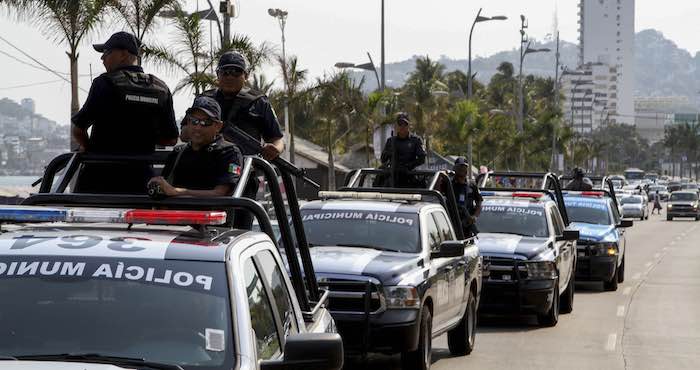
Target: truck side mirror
{"type": "Point", "coordinates": [568, 236]}
{"type": "Point", "coordinates": [312, 351]}
{"type": "Point", "coordinates": [449, 249]}
{"type": "Point", "coordinates": [625, 223]}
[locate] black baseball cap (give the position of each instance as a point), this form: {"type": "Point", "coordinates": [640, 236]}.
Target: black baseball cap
{"type": "Point", "coordinates": [207, 105]}
{"type": "Point", "coordinates": [233, 59]}
{"type": "Point", "coordinates": [460, 161]}
{"type": "Point", "coordinates": [402, 117]}
{"type": "Point", "coordinates": [120, 40]}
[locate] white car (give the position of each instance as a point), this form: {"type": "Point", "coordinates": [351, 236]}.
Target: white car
{"type": "Point", "coordinates": [635, 206]}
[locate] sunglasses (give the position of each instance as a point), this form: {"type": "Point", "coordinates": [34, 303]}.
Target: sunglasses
{"type": "Point", "coordinates": [402, 123]}
{"type": "Point", "coordinates": [235, 72]}
{"type": "Point", "coordinates": [199, 122]}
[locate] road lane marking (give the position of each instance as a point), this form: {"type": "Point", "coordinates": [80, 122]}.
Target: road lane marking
{"type": "Point", "coordinates": [636, 276]}
{"type": "Point", "coordinates": [612, 341]}
{"type": "Point", "coordinates": [657, 255]}
{"type": "Point", "coordinates": [672, 242]}
{"type": "Point", "coordinates": [665, 248]}
{"type": "Point", "coordinates": [647, 265]}
{"type": "Point", "coordinates": [620, 311]}
{"type": "Point", "coordinates": [627, 291]}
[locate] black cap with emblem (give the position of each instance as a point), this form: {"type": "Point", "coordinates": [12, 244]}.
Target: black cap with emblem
{"type": "Point", "coordinates": [120, 40]}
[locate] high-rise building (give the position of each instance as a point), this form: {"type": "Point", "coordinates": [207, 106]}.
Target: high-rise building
{"type": "Point", "coordinates": [590, 96]}
{"type": "Point", "coordinates": [606, 35]}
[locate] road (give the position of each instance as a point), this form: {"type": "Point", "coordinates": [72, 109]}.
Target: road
{"type": "Point", "coordinates": [651, 322]}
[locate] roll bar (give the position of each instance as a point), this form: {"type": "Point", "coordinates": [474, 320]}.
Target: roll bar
{"type": "Point", "coordinates": [303, 281]}
{"type": "Point", "coordinates": [602, 183]}
{"type": "Point", "coordinates": [549, 185]}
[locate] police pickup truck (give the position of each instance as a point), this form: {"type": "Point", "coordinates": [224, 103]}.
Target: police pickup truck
{"type": "Point", "coordinates": [131, 282]}
{"type": "Point", "coordinates": [398, 268]}
{"type": "Point", "coordinates": [602, 244]}
{"type": "Point", "coordinates": [529, 253]}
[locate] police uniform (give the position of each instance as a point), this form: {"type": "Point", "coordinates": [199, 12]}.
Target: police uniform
{"type": "Point", "coordinates": [467, 196]}
{"type": "Point", "coordinates": [578, 185]}
{"type": "Point", "coordinates": [250, 111]}
{"type": "Point", "coordinates": [129, 112]}
{"type": "Point", "coordinates": [217, 164]}
{"type": "Point", "coordinates": [409, 155]}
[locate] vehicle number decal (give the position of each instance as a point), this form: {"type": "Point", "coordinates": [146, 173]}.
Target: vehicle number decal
{"type": "Point", "coordinates": [121, 244]}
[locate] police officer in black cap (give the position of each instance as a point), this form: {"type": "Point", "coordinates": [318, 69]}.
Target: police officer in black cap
{"type": "Point", "coordinates": [468, 197]}
{"type": "Point", "coordinates": [402, 153]}
{"type": "Point", "coordinates": [244, 107]}
{"type": "Point", "coordinates": [579, 182]}
{"type": "Point", "coordinates": [130, 112]}
{"type": "Point", "coordinates": [207, 165]}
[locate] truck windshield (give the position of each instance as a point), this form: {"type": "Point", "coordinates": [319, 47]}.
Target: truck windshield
{"type": "Point", "coordinates": [588, 212]}
{"type": "Point", "coordinates": [162, 311]}
{"type": "Point", "coordinates": [392, 231]}
{"type": "Point", "coordinates": [510, 219]}
{"type": "Point", "coordinates": [684, 196]}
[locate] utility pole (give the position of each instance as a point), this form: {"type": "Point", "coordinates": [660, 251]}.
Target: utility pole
{"type": "Point", "coordinates": [556, 105]}
{"type": "Point", "coordinates": [383, 61]}
{"type": "Point", "coordinates": [224, 7]}
{"type": "Point", "coordinates": [281, 16]}
{"type": "Point", "coordinates": [523, 40]}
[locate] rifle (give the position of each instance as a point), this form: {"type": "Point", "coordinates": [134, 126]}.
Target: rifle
{"type": "Point", "coordinates": [393, 161]}
{"type": "Point", "coordinates": [253, 145]}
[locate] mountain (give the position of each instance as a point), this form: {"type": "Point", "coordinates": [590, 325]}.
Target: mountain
{"type": "Point", "coordinates": [662, 68]}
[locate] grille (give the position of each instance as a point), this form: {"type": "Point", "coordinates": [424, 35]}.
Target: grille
{"type": "Point", "coordinates": [503, 269]}
{"type": "Point", "coordinates": [348, 296]}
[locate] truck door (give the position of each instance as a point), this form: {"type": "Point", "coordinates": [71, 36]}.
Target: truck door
{"type": "Point", "coordinates": [439, 269]}
{"type": "Point", "coordinates": [456, 270]}
{"type": "Point", "coordinates": [565, 249]}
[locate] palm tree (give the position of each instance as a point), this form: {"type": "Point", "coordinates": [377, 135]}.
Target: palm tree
{"type": "Point", "coordinates": [261, 84]}
{"type": "Point", "coordinates": [295, 78]}
{"type": "Point", "coordinates": [140, 15]}
{"type": "Point", "coordinates": [66, 21]}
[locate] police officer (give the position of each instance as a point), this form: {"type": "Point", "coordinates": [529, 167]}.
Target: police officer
{"type": "Point", "coordinates": [402, 153]}
{"type": "Point", "coordinates": [579, 183]}
{"type": "Point", "coordinates": [130, 112]}
{"type": "Point", "coordinates": [468, 197]}
{"type": "Point", "coordinates": [244, 107]}
{"type": "Point", "coordinates": [205, 166]}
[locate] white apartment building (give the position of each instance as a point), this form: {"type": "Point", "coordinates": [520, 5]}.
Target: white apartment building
{"type": "Point", "coordinates": [606, 35]}
{"type": "Point", "coordinates": [590, 97]}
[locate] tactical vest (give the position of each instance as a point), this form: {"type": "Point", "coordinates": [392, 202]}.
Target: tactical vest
{"type": "Point", "coordinates": [139, 89]}
{"type": "Point", "coordinates": [241, 113]}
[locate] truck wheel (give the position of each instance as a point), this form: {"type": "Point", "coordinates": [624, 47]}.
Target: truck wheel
{"type": "Point", "coordinates": [461, 339]}
{"type": "Point", "coordinates": [567, 301]}
{"type": "Point", "coordinates": [611, 285]}
{"type": "Point", "coordinates": [421, 358]}
{"type": "Point", "coordinates": [669, 218]}
{"type": "Point", "coordinates": [621, 272]}
{"type": "Point", "coordinates": [552, 316]}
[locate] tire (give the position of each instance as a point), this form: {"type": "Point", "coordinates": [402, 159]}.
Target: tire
{"type": "Point", "coordinates": [567, 301]}
{"type": "Point", "coordinates": [611, 285]}
{"type": "Point", "coordinates": [669, 218]}
{"type": "Point", "coordinates": [421, 358]}
{"type": "Point", "coordinates": [621, 272]}
{"type": "Point", "coordinates": [461, 339]}
{"type": "Point", "coordinates": [551, 318]}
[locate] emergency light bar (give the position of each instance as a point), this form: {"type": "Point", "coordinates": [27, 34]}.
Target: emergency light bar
{"type": "Point", "coordinates": [528, 195]}
{"type": "Point", "coordinates": [371, 195]}
{"type": "Point", "coordinates": [585, 193]}
{"type": "Point", "coordinates": [509, 194]}
{"type": "Point", "coordinates": [26, 214]}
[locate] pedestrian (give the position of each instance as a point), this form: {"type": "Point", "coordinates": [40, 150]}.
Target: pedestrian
{"type": "Point", "coordinates": [130, 112]}
{"type": "Point", "coordinates": [402, 153]}
{"type": "Point", "coordinates": [579, 182]}
{"type": "Point", "coordinates": [207, 165]}
{"type": "Point", "coordinates": [657, 203]}
{"type": "Point", "coordinates": [467, 196]}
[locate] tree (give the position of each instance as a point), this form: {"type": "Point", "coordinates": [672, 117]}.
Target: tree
{"type": "Point", "coordinates": [140, 15]}
{"type": "Point", "coordinates": [261, 84]}
{"type": "Point", "coordinates": [66, 21]}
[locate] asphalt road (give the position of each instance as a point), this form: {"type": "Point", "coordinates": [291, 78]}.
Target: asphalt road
{"type": "Point", "coordinates": [651, 322]}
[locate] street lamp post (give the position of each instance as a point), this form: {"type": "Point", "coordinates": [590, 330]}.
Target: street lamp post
{"type": "Point", "coordinates": [281, 16]}
{"type": "Point", "coordinates": [365, 66]}
{"type": "Point", "coordinates": [479, 18]}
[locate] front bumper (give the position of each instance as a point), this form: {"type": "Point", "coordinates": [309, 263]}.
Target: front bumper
{"type": "Point", "coordinates": [682, 213]}
{"type": "Point", "coordinates": [391, 331]}
{"type": "Point", "coordinates": [632, 213]}
{"type": "Point", "coordinates": [521, 296]}
{"type": "Point", "coordinates": [595, 268]}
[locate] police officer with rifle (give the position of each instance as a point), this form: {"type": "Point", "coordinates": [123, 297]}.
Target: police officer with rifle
{"type": "Point", "coordinates": [130, 112]}
{"type": "Point", "coordinates": [402, 153]}
{"type": "Point", "coordinates": [468, 197]}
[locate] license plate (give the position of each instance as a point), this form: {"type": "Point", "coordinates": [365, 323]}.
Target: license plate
{"type": "Point", "coordinates": [506, 277]}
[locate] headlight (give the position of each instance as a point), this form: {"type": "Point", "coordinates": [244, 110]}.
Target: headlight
{"type": "Point", "coordinates": [604, 249]}
{"type": "Point", "coordinates": [541, 270]}
{"type": "Point", "coordinates": [402, 297]}
{"type": "Point", "coordinates": [670, 206]}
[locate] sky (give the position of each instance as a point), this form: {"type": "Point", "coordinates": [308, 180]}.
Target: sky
{"type": "Point", "coordinates": [323, 32]}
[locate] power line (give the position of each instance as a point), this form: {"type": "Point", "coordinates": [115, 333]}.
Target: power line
{"type": "Point", "coordinates": [37, 67]}
{"type": "Point", "coordinates": [38, 62]}
{"type": "Point", "coordinates": [31, 84]}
